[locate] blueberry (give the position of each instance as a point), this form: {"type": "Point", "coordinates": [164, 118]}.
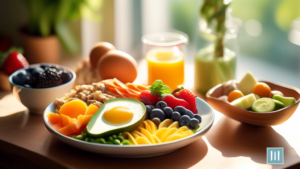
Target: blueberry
{"type": "Point", "coordinates": [194, 123]}
{"type": "Point", "coordinates": [184, 120]}
{"type": "Point", "coordinates": [198, 117]}
{"type": "Point", "coordinates": [168, 112]}
{"type": "Point", "coordinates": [161, 105]}
{"type": "Point", "coordinates": [44, 66]}
{"type": "Point", "coordinates": [29, 69]}
{"type": "Point", "coordinates": [189, 113]}
{"type": "Point", "coordinates": [37, 71]}
{"type": "Point", "coordinates": [148, 109]}
{"type": "Point", "coordinates": [181, 110]}
{"type": "Point", "coordinates": [157, 113]}
{"type": "Point", "coordinates": [66, 76]}
{"type": "Point", "coordinates": [20, 78]}
{"type": "Point", "coordinates": [175, 116]}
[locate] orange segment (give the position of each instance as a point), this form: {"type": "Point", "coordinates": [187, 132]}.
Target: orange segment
{"type": "Point", "coordinates": [86, 120]}
{"type": "Point", "coordinates": [64, 120]}
{"type": "Point", "coordinates": [73, 108]}
{"type": "Point", "coordinates": [235, 94]}
{"type": "Point", "coordinates": [53, 118]}
{"type": "Point", "coordinates": [262, 89]}
{"type": "Point", "coordinates": [57, 126]}
{"type": "Point", "coordinates": [91, 110]}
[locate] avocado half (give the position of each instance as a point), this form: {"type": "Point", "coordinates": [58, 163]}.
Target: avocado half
{"type": "Point", "coordinates": [99, 127]}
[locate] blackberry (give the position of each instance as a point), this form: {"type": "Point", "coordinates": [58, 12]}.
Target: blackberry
{"type": "Point", "coordinates": [51, 77]}
{"type": "Point", "coordinates": [66, 76]}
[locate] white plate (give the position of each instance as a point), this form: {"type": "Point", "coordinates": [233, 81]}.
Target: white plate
{"type": "Point", "coordinates": [138, 151]}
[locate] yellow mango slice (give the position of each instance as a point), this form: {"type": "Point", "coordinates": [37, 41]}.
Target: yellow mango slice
{"type": "Point", "coordinates": [137, 134]}
{"type": "Point", "coordinates": [182, 129]}
{"type": "Point", "coordinates": [147, 134]}
{"type": "Point", "coordinates": [159, 133]}
{"type": "Point", "coordinates": [175, 137]}
{"type": "Point", "coordinates": [169, 132]}
{"type": "Point", "coordinates": [128, 136]}
{"type": "Point", "coordinates": [188, 133]}
{"type": "Point", "coordinates": [147, 126]}
{"type": "Point", "coordinates": [174, 125]}
{"type": "Point", "coordinates": [165, 123]}
{"type": "Point", "coordinates": [156, 140]}
{"type": "Point", "coordinates": [152, 126]}
{"type": "Point", "coordinates": [142, 140]}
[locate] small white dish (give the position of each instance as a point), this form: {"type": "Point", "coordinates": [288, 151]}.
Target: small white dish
{"type": "Point", "coordinates": [36, 99]}
{"type": "Point", "coordinates": [138, 151]}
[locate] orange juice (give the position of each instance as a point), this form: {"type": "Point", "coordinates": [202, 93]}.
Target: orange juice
{"type": "Point", "coordinates": [167, 66]}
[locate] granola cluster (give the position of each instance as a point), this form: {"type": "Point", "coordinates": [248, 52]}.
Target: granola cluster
{"type": "Point", "coordinates": [90, 94]}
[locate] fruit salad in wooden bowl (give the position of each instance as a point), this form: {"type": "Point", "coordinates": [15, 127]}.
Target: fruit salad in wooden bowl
{"type": "Point", "coordinates": [255, 102]}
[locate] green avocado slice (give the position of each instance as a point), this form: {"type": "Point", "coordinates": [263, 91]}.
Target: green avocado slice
{"type": "Point", "coordinates": [99, 127]}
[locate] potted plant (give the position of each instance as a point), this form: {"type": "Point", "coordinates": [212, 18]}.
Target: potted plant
{"type": "Point", "coordinates": [48, 25]}
{"type": "Point", "coordinates": [216, 62]}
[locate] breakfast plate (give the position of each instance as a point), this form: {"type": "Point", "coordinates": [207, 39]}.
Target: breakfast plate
{"type": "Point", "coordinates": [137, 151]}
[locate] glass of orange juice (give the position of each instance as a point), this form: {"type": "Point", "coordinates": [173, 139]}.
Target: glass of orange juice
{"type": "Point", "coordinates": [165, 53]}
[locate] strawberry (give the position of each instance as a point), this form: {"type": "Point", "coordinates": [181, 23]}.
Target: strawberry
{"type": "Point", "coordinates": [173, 102]}
{"type": "Point", "coordinates": [149, 99]}
{"type": "Point", "coordinates": [189, 97]}
{"type": "Point", "coordinates": [13, 62]}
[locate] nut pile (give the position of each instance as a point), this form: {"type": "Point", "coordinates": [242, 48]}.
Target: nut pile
{"type": "Point", "coordinates": [90, 94]}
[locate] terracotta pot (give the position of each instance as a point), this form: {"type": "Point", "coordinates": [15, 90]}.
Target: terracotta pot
{"type": "Point", "coordinates": [40, 49]}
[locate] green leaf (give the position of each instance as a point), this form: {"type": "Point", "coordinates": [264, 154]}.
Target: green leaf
{"type": "Point", "coordinates": [165, 90]}
{"type": "Point", "coordinates": [66, 37]}
{"type": "Point", "coordinates": [159, 88]}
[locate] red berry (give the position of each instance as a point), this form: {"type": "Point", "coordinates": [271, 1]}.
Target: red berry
{"type": "Point", "coordinates": [174, 102]}
{"type": "Point", "coordinates": [13, 62]}
{"type": "Point", "coordinates": [188, 96]}
{"type": "Point", "coordinates": [149, 99]}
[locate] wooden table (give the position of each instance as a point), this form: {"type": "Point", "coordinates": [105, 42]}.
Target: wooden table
{"type": "Point", "coordinates": [25, 141]}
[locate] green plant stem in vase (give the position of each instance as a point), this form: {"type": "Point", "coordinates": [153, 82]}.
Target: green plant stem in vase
{"type": "Point", "coordinates": [215, 63]}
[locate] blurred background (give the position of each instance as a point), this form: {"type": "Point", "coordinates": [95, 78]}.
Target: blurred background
{"type": "Point", "coordinates": [268, 31]}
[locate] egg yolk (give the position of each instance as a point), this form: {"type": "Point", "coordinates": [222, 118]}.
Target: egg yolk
{"type": "Point", "coordinates": [118, 115]}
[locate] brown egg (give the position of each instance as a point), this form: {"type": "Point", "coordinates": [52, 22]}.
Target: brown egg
{"type": "Point", "coordinates": [117, 64]}
{"type": "Point", "coordinates": [98, 50]}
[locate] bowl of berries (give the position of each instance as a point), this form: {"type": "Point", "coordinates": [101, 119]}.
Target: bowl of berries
{"type": "Point", "coordinates": [37, 85]}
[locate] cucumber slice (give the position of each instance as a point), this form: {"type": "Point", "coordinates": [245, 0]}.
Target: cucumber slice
{"type": "Point", "coordinates": [263, 105]}
{"type": "Point", "coordinates": [287, 101]}
{"type": "Point", "coordinates": [278, 104]}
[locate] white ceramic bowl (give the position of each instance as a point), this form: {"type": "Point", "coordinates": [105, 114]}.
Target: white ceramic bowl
{"type": "Point", "coordinates": [37, 99]}
{"type": "Point", "coordinates": [138, 151]}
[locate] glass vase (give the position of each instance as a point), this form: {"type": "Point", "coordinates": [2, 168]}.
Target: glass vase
{"type": "Point", "coordinates": [211, 70]}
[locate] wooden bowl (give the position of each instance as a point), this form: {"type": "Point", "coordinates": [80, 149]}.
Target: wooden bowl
{"type": "Point", "coordinates": [250, 117]}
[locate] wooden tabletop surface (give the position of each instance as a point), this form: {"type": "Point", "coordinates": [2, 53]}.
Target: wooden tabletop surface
{"type": "Point", "coordinates": [228, 144]}
{"type": "Point", "coordinates": [25, 141]}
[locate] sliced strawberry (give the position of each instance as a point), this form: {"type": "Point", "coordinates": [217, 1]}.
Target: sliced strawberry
{"type": "Point", "coordinates": [13, 62]}
{"type": "Point", "coordinates": [188, 96]}
{"type": "Point", "coordinates": [149, 99]}
{"type": "Point", "coordinates": [174, 102]}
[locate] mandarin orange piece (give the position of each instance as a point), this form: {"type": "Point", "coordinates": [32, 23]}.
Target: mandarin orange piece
{"type": "Point", "coordinates": [235, 94]}
{"type": "Point", "coordinates": [53, 118]}
{"type": "Point", "coordinates": [91, 110]}
{"type": "Point", "coordinates": [73, 108]}
{"type": "Point", "coordinates": [262, 89]}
